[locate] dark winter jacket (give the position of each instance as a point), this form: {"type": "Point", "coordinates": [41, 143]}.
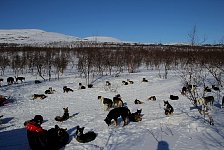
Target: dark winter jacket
{"type": "Point", "coordinates": [36, 135]}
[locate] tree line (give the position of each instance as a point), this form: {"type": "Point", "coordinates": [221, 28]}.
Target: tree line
{"type": "Point", "coordinates": [87, 61]}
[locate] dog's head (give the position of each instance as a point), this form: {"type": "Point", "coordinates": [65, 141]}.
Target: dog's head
{"type": "Point", "coordinates": [118, 96]}
{"type": "Point", "coordinates": [100, 97]}
{"type": "Point", "coordinates": [79, 131]}
{"type": "Point", "coordinates": [135, 117]}
{"type": "Point", "coordinates": [139, 111]}
{"type": "Point", "coordinates": [165, 103]}
{"type": "Point", "coordinates": [108, 121]}
{"type": "Point", "coordinates": [65, 110]}
{"type": "Point", "coordinates": [61, 132]}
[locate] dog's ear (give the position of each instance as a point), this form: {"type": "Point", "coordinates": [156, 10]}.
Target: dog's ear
{"type": "Point", "coordinates": [56, 126]}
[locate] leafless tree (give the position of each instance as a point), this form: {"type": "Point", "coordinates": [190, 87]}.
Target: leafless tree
{"type": "Point", "coordinates": [194, 38]}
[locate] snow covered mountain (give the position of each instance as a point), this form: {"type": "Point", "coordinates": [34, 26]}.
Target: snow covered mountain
{"type": "Point", "coordinates": [102, 39]}
{"type": "Point", "coordinates": [39, 37]}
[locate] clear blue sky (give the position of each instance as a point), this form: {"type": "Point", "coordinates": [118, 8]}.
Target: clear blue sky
{"type": "Point", "coordinates": [165, 21]}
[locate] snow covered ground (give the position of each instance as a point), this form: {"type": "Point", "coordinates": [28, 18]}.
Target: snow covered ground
{"type": "Point", "coordinates": [186, 129]}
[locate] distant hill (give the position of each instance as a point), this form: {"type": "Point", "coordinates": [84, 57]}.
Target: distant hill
{"type": "Point", "coordinates": [37, 37]}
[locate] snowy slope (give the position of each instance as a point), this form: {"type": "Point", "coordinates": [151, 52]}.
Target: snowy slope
{"type": "Point", "coordinates": [102, 39]}
{"type": "Point", "coordinates": [186, 129]}
{"type": "Point", "coordinates": [34, 36]}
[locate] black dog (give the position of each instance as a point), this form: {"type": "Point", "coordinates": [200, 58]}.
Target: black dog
{"type": "Point", "coordinates": [184, 90]}
{"type": "Point", "coordinates": [57, 138]}
{"type": "Point", "coordinates": [84, 138]}
{"type": "Point", "coordinates": [207, 89]}
{"type": "Point", "coordinates": [215, 88]}
{"type": "Point", "coordinates": [37, 81]}
{"type": "Point", "coordinates": [10, 80]}
{"type": "Point", "coordinates": [138, 102]}
{"type": "Point", "coordinates": [168, 108]}
{"type": "Point", "coordinates": [64, 117]}
{"type": "Point", "coordinates": [49, 91]}
{"type": "Point", "coordinates": [19, 78]}
{"type": "Point", "coordinates": [66, 89]}
{"type": "Point", "coordinates": [81, 86]}
{"type": "Point", "coordinates": [152, 98]}
{"type": "Point", "coordinates": [117, 112]}
{"type": "Point", "coordinates": [90, 85]}
{"type": "Point", "coordinates": [144, 80]}
{"type": "Point", "coordinates": [108, 83]}
{"type": "Point", "coordinates": [173, 97]}
{"type": "Point", "coordinates": [124, 82]}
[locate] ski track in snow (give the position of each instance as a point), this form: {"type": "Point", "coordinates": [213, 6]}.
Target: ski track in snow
{"type": "Point", "coordinates": [185, 129]}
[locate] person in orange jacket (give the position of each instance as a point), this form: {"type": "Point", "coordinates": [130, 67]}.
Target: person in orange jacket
{"type": "Point", "coordinates": [36, 134]}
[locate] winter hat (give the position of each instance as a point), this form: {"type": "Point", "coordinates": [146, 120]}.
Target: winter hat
{"type": "Point", "coordinates": [38, 119]}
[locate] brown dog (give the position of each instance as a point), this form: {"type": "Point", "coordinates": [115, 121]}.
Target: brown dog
{"type": "Point", "coordinates": [136, 116]}
{"type": "Point", "coordinates": [40, 96]}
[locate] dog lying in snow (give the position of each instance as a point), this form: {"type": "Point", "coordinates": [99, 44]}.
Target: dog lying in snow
{"type": "Point", "coordinates": [49, 91]}
{"type": "Point", "coordinates": [64, 117]}
{"type": "Point", "coordinates": [124, 83]}
{"type": "Point", "coordinates": [174, 97]}
{"type": "Point", "coordinates": [152, 98]}
{"type": "Point", "coordinates": [40, 96]}
{"type": "Point", "coordinates": [117, 112]}
{"type": "Point", "coordinates": [108, 83]}
{"type": "Point", "coordinates": [168, 108]}
{"type": "Point", "coordinates": [19, 78]}
{"type": "Point", "coordinates": [84, 138]}
{"type": "Point", "coordinates": [144, 80]}
{"type": "Point", "coordinates": [136, 116]}
{"type": "Point", "coordinates": [138, 101]}
{"type": "Point", "coordinates": [81, 86]}
{"type": "Point", "coordinates": [37, 81]}
{"type": "Point", "coordinates": [66, 89]}
{"type": "Point", "coordinates": [57, 138]}
{"type": "Point", "coordinates": [129, 81]}
{"type": "Point", "coordinates": [106, 102]}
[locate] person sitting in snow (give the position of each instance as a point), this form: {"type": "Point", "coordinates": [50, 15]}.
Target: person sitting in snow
{"type": "Point", "coordinates": [36, 134]}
